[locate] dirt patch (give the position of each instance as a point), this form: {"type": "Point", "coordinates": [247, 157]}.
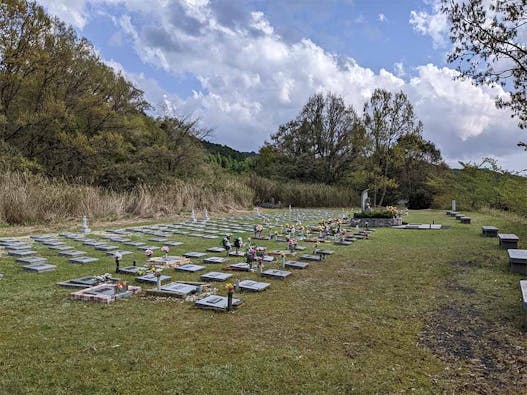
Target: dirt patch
{"type": "Point", "coordinates": [492, 357]}
{"type": "Point", "coordinates": [465, 264]}
{"type": "Point", "coordinates": [453, 285]}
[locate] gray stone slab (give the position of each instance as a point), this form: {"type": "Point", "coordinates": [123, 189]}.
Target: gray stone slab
{"type": "Point", "coordinates": [82, 260]}
{"type": "Point", "coordinates": [135, 243]}
{"type": "Point", "coordinates": [240, 267]}
{"type": "Point", "coordinates": [53, 243]}
{"type": "Point", "coordinates": [29, 260]}
{"type": "Point", "coordinates": [237, 254]}
{"type": "Point", "coordinates": [61, 248]}
{"type": "Point", "coordinates": [158, 239]}
{"type": "Point", "coordinates": [215, 259]}
{"type": "Point", "coordinates": [215, 276]}
{"type": "Point", "coordinates": [194, 254]}
{"type": "Point", "coordinates": [324, 252]}
{"type": "Point", "coordinates": [268, 258]}
{"type": "Point", "coordinates": [21, 252]}
{"type": "Point", "coordinates": [86, 282]}
{"type": "Point", "coordinates": [121, 252]}
{"type": "Point", "coordinates": [343, 243]}
{"type": "Point", "coordinates": [144, 248]}
{"type": "Point", "coordinates": [133, 269]}
{"type": "Point", "coordinates": [296, 264]}
{"type": "Point", "coordinates": [215, 249]}
{"type": "Point", "coordinates": [216, 302]}
{"type": "Point", "coordinates": [190, 268]}
{"type": "Point", "coordinates": [489, 231]}
{"type": "Point", "coordinates": [310, 257]}
{"type": "Point", "coordinates": [17, 246]}
{"type": "Point", "coordinates": [152, 279]}
{"type": "Point", "coordinates": [173, 243]}
{"type": "Point", "coordinates": [253, 286]}
{"type": "Point", "coordinates": [39, 267]}
{"type": "Point", "coordinates": [275, 273]}
{"type": "Point", "coordinates": [92, 242]}
{"type": "Point", "coordinates": [106, 247]}
{"type": "Point", "coordinates": [72, 253]}
{"type": "Point", "coordinates": [176, 289]}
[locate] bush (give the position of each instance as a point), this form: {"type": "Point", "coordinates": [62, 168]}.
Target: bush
{"type": "Point", "coordinates": [374, 214]}
{"type": "Point", "coordinates": [420, 199]}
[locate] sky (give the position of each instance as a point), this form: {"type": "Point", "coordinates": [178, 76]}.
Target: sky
{"type": "Point", "coordinates": [244, 67]}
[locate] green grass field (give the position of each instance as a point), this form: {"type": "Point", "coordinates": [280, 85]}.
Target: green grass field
{"type": "Point", "coordinates": [406, 311]}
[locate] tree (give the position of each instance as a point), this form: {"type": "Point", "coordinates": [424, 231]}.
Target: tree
{"type": "Point", "coordinates": [387, 118]}
{"type": "Point", "coordinates": [489, 46]}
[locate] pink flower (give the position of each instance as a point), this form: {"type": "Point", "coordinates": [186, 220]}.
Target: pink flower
{"type": "Point", "coordinates": [149, 252]}
{"type": "Point", "coordinates": [165, 249]}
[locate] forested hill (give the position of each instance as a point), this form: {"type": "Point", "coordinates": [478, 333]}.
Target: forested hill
{"type": "Point", "coordinates": [225, 150]}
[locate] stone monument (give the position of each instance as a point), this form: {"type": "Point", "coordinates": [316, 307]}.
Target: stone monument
{"type": "Point", "coordinates": [453, 205]}
{"type": "Point", "coordinates": [85, 228]}
{"type": "Point", "coordinates": [364, 201]}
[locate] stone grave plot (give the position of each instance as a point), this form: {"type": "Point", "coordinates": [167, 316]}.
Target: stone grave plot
{"type": "Point", "coordinates": [39, 267]}
{"type": "Point", "coordinates": [296, 264]}
{"type": "Point", "coordinates": [181, 232]}
{"type": "Point", "coordinates": [489, 231]}
{"type": "Point", "coordinates": [106, 247]}
{"type": "Point", "coordinates": [194, 254]}
{"type": "Point", "coordinates": [458, 216]}
{"type": "Point", "coordinates": [268, 258]}
{"type": "Point", "coordinates": [42, 237]}
{"type": "Point", "coordinates": [92, 242]}
{"type": "Point", "coordinates": [135, 243]}
{"type": "Point", "coordinates": [29, 260]}
{"type": "Point", "coordinates": [311, 257]}
{"type": "Point", "coordinates": [133, 270]}
{"type": "Point", "coordinates": [20, 253]}
{"type": "Point", "coordinates": [343, 243]}
{"type": "Point", "coordinates": [195, 235]}
{"type": "Point", "coordinates": [61, 248]}
{"type": "Point", "coordinates": [275, 273]}
{"type": "Point", "coordinates": [215, 259]}
{"type": "Point", "coordinates": [238, 254]}
{"type": "Point", "coordinates": [252, 286]}
{"type": "Point", "coordinates": [215, 302]}
{"type": "Point", "coordinates": [88, 281]}
{"type": "Point", "coordinates": [151, 278]}
{"type": "Point", "coordinates": [52, 243]}
{"type": "Point", "coordinates": [81, 260]}
{"type": "Point", "coordinates": [17, 246]}
{"type": "Point", "coordinates": [176, 289]}
{"type": "Point", "coordinates": [190, 268]}
{"type": "Point", "coordinates": [518, 261]}
{"type": "Point", "coordinates": [120, 232]}
{"type": "Point", "coordinates": [120, 252]}
{"type": "Point", "coordinates": [174, 243]}
{"type": "Point", "coordinates": [73, 236]}
{"type": "Point", "coordinates": [215, 276]}
{"type": "Point", "coordinates": [118, 239]}
{"type": "Point", "coordinates": [169, 261]}
{"type": "Point", "coordinates": [508, 240]}
{"type": "Point", "coordinates": [280, 252]}
{"type": "Point", "coordinates": [72, 253]}
{"type": "Point", "coordinates": [324, 252]}
{"type": "Point", "coordinates": [209, 237]}
{"type": "Point", "coordinates": [157, 239]}
{"type": "Point", "coordinates": [215, 249]}
{"type": "Point", "coordinates": [144, 248]}
{"type": "Point", "coordinates": [239, 267]}
{"type": "Point", "coordinates": [465, 220]}
{"type": "Point", "coordinates": [105, 293]}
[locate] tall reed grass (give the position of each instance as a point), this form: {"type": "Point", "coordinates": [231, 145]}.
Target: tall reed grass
{"type": "Point", "coordinates": [30, 199]}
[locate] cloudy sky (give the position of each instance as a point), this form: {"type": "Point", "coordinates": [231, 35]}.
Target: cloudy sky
{"type": "Point", "coordinates": [243, 67]}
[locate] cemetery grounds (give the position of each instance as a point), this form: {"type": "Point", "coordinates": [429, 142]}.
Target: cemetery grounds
{"type": "Point", "coordinates": [404, 311]}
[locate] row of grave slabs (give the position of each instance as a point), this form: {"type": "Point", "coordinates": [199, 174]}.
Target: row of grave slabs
{"type": "Point", "coordinates": [195, 257]}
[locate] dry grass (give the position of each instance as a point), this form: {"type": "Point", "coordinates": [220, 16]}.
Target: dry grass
{"type": "Point", "coordinates": [30, 199]}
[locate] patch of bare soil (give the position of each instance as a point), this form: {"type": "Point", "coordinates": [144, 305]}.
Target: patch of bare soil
{"type": "Point", "coordinates": [492, 357]}
{"type": "Point", "coordinates": [465, 264]}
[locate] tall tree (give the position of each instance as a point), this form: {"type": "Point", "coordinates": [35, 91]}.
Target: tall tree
{"type": "Point", "coordinates": [489, 45]}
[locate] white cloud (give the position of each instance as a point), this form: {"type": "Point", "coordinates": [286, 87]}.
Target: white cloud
{"type": "Point", "coordinates": [251, 80]}
{"type": "Point", "coordinates": [382, 18]}
{"type": "Point", "coordinates": [434, 24]}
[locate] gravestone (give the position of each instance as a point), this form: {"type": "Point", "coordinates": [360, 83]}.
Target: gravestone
{"type": "Point", "coordinates": [135, 243]}
{"type": "Point", "coordinates": [21, 252]}
{"type": "Point", "coordinates": [178, 290]}
{"type": "Point", "coordinates": [275, 273]}
{"type": "Point", "coordinates": [310, 257]}
{"type": "Point", "coordinates": [453, 205]}
{"type": "Point", "coordinates": [39, 267]}
{"type": "Point", "coordinates": [119, 252]}
{"type": "Point", "coordinates": [489, 231]}
{"type": "Point", "coordinates": [215, 276]}
{"type": "Point", "coordinates": [61, 248]}
{"type": "Point", "coordinates": [240, 267]}
{"type": "Point", "coordinates": [82, 260]}
{"type": "Point", "coordinates": [215, 249]}
{"type": "Point", "coordinates": [518, 261]}
{"type": "Point", "coordinates": [31, 260]}
{"type": "Point", "coordinates": [152, 278]}
{"type": "Point", "coordinates": [190, 268]}
{"type": "Point", "coordinates": [216, 302]}
{"type": "Point", "coordinates": [253, 286]}
{"type": "Point", "coordinates": [88, 281]}
{"type": "Point", "coordinates": [133, 269]}
{"type": "Point", "coordinates": [508, 240]}
{"type": "Point", "coordinates": [72, 253]}
{"type": "Point", "coordinates": [215, 259]}
{"type": "Point", "coordinates": [105, 293]}
{"type": "Point", "coordinates": [85, 228]}
{"type": "Point", "coordinates": [296, 264]}
{"type": "Point", "coordinates": [173, 243]}
{"type": "Point", "coordinates": [194, 254]}
{"type": "Point", "coordinates": [106, 247]}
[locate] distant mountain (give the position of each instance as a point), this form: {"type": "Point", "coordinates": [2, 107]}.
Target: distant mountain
{"type": "Point", "coordinates": [226, 151]}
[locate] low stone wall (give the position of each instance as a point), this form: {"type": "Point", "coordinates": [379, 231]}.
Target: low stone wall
{"type": "Point", "coordinates": [377, 222]}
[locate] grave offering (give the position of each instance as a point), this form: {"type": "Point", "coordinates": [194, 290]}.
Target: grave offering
{"type": "Point", "coordinates": [215, 302]}
{"type": "Point", "coordinates": [31, 260]}
{"type": "Point", "coordinates": [153, 278]}
{"type": "Point", "coordinates": [252, 286]}
{"type": "Point", "coordinates": [489, 231]}
{"type": "Point", "coordinates": [215, 259]}
{"type": "Point", "coordinates": [296, 264]}
{"type": "Point", "coordinates": [190, 268]}
{"type": "Point", "coordinates": [72, 253]}
{"type": "Point", "coordinates": [508, 240]}
{"type": "Point", "coordinates": [39, 267]}
{"type": "Point", "coordinates": [167, 262]}
{"type": "Point", "coordinates": [82, 260]}
{"type": "Point", "coordinates": [88, 281]}
{"type": "Point", "coordinates": [275, 273]}
{"type": "Point", "coordinates": [106, 293]}
{"type": "Point", "coordinates": [518, 261]}
{"type": "Point", "coordinates": [215, 276]}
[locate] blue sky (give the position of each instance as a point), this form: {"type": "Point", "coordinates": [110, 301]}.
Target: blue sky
{"type": "Point", "coordinates": [245, 67]}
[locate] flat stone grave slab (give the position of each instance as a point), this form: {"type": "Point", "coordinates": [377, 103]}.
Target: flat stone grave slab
{"type": "Point", "coordinates": [117, 239]}
{"type": "Point", "coordinates": [300, 248]}
{"type": "Point", "coordinates": [240, 267]}
{"type": "Point", "coordinates": [133, 269]}
{"type": "Point", "coordinates": [215, 249]}
{"type": "Point", "coordinates": [52, 243]}
{"type": "Point", "coordinates": [275, 273]}
{"type": "Point", "coordinates": [39, 267]}
{"type": "Point", "coordinates": [195, 235]}
{"type": "Point", "coordinates": [72, 253]}
{"type": "Point", "coordinates": [121, 252]}
{"type": "Point", "coordinates": [135, 243]}
{"type": "Point", "coordinates": [173, 243]}
{"type": "Point", "coordinates": [144, 248]}
{"type": "Point", "coordinates": [106, 247]}
{"type": "Point", "coordinates": [296, 264]}
{"type": "Point", "coordinates": [21, 252]}
{"type": "Point", "coordinates": [280, 252]}
{"type": "Point", "coordinates": [215, 276]}
{"type": "Point", "coordinates": [6, 240]}
{"type": "Point", "coordinates": [17, 246]}
{"type": "Point", "coordinates": [29, 260]}
{"type": "Point", "coordinates": [194, 254]}
{"type": "Point", "coordinates": [237, 254]}
{"type": "Point", "coordinates": [92, 243]}
{"type": "Point", "coordinates": [508, 240]}
{"type": "Point", "coordinates": [324, 252]}
{"type": "Point", "coordinates": [215, 302]}
{"type": "Point", "coordinates": [176, 289]}
{"type": "Point", "coordinates": [73, 236]}
{"type": "Point", "coordinates": [310, 257]}
{"type": "Point", "coordinates": [121, 232]}
{"type": "Point", "coordinates": [343, 243]}
{"type": "Point", "coordinates": [87, 282]}
{"type": "Point", "coordinates": [268, 258]}
{"type": "Point", "coordinates": [170, 261]}
{"type": "Point", "coordinates": [152, 278]}
{"type": "Point", "coordinates": [253, 286]}
{"type": "Point", "coordinates": [190, 268]}
{"type": "Point", "coordinates": [158, 239]}
{"type": "Point", "coordinates": [489, 231]}
{"type": "Point", "coordinates": [465, 220]}
{"type": "Point", "coordinates": [82, 260]}
{"type": "Point", "coordinates": [518, 260]}
{"type": "Point", "coordinates": [41, 237]}
{"type": "Point", "coordinates": [209, 237]}
{"type": "Point", "coordinates": [105, 293]}
{"type": "Point", "coordinates": [61, 248]}
{"type": "Point", "coordinates": [215, 259]}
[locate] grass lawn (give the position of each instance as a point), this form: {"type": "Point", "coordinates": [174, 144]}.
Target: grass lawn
{"type": "Point", "coordinates": [406, 311]}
